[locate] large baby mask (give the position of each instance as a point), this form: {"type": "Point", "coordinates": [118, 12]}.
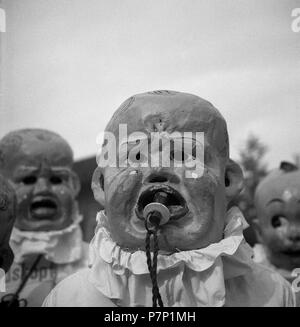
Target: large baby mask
{"type": "Point", "coordinates": [171, 145]}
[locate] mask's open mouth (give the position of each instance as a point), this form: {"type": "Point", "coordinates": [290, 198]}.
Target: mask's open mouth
{"type": "Point", "coordinates": [173, 200]}
{"type": "Point", "coordinates": [292, 252]}
{"type": "Point", "coordinates": [43, 208]}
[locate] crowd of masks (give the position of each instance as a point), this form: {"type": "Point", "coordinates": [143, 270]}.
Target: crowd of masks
{"type": "Point", "coordinates": [167, 235]}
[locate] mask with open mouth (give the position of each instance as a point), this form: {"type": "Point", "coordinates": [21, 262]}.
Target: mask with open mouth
{"type": "Point", "coordinates": [196, 205]}
{"type": "Point", "coordinates": [43, 207]}
{"type": "Point", "coordinates": [166, 195]}
{"type": "Point", "coordinates": [39, 164]}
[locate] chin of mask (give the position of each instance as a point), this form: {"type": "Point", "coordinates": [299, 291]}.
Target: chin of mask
{"type": "Point", "coordinates": [60, 246]}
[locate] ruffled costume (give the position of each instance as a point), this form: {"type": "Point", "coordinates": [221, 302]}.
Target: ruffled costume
{"type": "Point", "coordinates": [185, 278]}
{"type": "Point", "coordinates": [64, 253]}
{"type": "Point", "coordinates": [59, 246]}
{"type": "Point", "coordinates": [222, 274]}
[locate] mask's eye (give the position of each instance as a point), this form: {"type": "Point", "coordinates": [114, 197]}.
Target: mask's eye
{"type": "Point", "coordinates": [56, 180]}
{"type": "Point", "coordinates": [29, 180]}
{"type": "Point", "coordinates": [278, 221]}
{"type": "Point", "coordinates": [137, 157]}
{"type": "Point", "coordinates": [179, 156]}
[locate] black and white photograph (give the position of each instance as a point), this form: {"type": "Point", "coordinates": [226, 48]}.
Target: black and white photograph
{"type": "Point", "coordinates": [149, 156]}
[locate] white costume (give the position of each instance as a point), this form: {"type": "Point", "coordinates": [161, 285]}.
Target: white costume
{"type": "Point", "coordinates": [64, 251]}
{"type": "Point", "coordinates": [222, 274]}
{"type": "Point", "coordinates": [260, 256]}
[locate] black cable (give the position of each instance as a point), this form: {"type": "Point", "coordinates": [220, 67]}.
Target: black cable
{"type": "Point", "coordinates": [154, 268]}
{"type": "Point", "coordinates": [152, 263]}
{"type": "Point", "coordinates": [14, 301]}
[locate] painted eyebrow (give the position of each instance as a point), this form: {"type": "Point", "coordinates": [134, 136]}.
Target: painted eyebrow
{"type": "Point", "coordinates": [60, 170]}
{"type": "Point", "coordinates": [275, 200]}
{"type": "Point", "coordinates": [28, 169]}
{"type": "Point", "coordinates": [25, 170]}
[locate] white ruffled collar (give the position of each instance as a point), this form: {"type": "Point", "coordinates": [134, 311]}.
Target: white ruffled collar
{"type": "Point", "coordinates": [59, 246]}
{"type": "Point", "coordinates": [196, 275]}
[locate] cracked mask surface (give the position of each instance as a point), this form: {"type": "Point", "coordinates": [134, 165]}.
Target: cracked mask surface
{"type": "Point", "coordinates": [197, 205]}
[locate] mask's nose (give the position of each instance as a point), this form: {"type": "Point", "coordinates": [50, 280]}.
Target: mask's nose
{"type": "Point", "coordinates": [41, 186]}
{"type": "Point", "coordinates": [294, 234]}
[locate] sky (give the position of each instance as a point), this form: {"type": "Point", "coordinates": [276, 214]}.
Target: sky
{"type": "Point", "coordinates": [66, 65]}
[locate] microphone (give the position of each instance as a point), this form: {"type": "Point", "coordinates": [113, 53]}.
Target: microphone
{"type": "Point", "coordinates": [156, 213]}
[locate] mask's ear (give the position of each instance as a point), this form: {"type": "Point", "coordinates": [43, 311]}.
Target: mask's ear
{"type": "Point", "coordinates": [257, 229]}
{"type": "Point", "coordinates": [234, 180]}
{"type": "Point", "coordinates": [98, 186]}
{"type": "Point", "coordinates": [76, 183]}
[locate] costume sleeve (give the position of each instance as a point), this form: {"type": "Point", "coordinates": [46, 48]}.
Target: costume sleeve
{"type": "Point", "coordinates": [288, 296]}
{"type": "Point", "coordinates": [50, 300]}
